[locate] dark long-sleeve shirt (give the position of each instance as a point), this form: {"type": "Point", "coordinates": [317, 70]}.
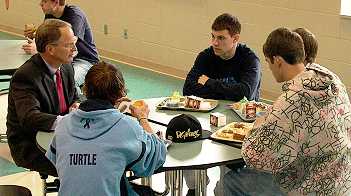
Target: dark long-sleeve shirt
{"type": "Point", "coordinates": [230, 79]}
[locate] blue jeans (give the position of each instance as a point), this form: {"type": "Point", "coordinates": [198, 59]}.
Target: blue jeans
{"type": "Point", "coordinates": [81, 68]}
{"type": "Point", "coordinates": [247, 182]}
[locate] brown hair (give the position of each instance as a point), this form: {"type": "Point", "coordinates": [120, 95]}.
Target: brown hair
{"type": "Point", "coordinates": [227, 22]}
{"type": "Point", "coordinates": [61, 2]}
{"type": "Point", "coordinates": [285, 43]}
{"type": "Point", "coordinates": [49, 32]}
{"type": "Point", "coordinates": [104, 81]}
{"type": "Point", "coordinates": [310, 44]}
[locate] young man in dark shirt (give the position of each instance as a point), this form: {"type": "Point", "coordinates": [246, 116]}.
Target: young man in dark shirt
{"type": "Point", "coordinates": [87, 53]}
{"type": "Point", "coordinates": [227, 69]}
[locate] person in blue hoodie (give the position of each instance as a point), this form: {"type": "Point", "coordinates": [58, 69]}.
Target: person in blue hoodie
{"type": "Point", "coordinates": [94, 145]}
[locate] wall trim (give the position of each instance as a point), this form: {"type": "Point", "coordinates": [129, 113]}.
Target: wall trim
{"type": "Point", "coordinates": [11, 30]}
{"type": "Point", "coordinates": [135, 62]}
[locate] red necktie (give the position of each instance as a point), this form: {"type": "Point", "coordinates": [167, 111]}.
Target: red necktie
{"type": "Point", "coordinates": [59, 88]}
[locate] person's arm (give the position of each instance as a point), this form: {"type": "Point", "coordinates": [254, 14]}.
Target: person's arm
{"type": "Point", "coordinates": [51, 152]}
{"type": "Point", "coordinates": [152, 157]}
{"type": "Point", "coordinates": [78, 26]}
{"type": "Point", "coordinates": [246, 87]}
{"type": "Point", "coordinates": [272, 145]}
{"type": "Point", "coordinates": [141, 113]}
{"type": "Point", "coordinates": [27, 104]}
{"type": "Point", "coordinates": [191, 85]}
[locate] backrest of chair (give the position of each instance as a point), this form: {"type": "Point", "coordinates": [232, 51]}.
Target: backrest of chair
{"type": "Point", "coordinates": [14, 190]}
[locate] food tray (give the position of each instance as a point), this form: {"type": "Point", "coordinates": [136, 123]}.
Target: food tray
{"type": "Point", "coordinates": [243, 117]}
{"type": "Point", "coordinates": [216, 136]}
{"type": "Point", "coordinates": [240, 114]}
{"type": "Point", "coordinates": [163, 105]}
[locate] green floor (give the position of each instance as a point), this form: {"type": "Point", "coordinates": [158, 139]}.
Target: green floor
{"type": "Point", "coordinates": [140, 84]}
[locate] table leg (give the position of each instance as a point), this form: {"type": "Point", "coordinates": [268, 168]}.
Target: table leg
{"type": "Point", "coordinates": [146, 181]}
{"type": "Point", "coordinates": [175, 182]}
{"type": "Point", "coordinates": [200, 182]}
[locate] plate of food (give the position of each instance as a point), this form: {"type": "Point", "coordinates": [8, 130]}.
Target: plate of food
{"type": "Point", "coordinates": [249, 110]}
{"type": "Point", "coordinates": [234, 132]}
{"type": "Point", "coordinates": [189, 103]}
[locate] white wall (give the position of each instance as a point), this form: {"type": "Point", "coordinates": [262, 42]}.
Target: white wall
{"type": "Point", "coordinates": [171, 32]}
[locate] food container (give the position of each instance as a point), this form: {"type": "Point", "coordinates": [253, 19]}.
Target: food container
{"type": "Point", "coordinates": [217, 119]}
{"type": "Point", "coordinates": [250, 110]}
{"type": "Point", "coordinates": [193, 102]}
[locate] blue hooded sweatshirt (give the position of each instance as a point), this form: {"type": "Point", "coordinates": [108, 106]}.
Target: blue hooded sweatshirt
{"type": "Point", "coordinates": [94, 145]}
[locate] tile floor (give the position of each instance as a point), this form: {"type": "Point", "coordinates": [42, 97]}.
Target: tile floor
{"type": "Point", "coordinates": [32, 181]}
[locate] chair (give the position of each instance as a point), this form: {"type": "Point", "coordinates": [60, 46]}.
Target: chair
{"type": "Point", "coordinates": [14, 190]}
{"type": "Point", "coordinates": [49, 187]}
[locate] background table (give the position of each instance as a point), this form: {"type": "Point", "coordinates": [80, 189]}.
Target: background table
{"type": "Point", "coordinates": [12, 56]}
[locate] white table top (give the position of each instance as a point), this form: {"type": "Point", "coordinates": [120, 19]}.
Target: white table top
{"type": "Point", "coordinates": [11, 54]}
{"type": "Point", "coordinates": [3, 113]}
{"type": "Point", "coordinates": [201, 154]}
{"type": "Point", "coordinates": [164, 116]}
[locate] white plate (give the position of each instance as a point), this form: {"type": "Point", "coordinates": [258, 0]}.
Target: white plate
{"type": "Point", "coordinates": [228, 126]}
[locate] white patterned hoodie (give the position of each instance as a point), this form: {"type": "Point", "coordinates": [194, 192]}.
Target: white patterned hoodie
{"type": "Point", "coordinates": [305, 138]}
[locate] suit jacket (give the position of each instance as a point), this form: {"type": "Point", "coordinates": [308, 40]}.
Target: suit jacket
{"type": "Point", "coordinates": [33, 106]}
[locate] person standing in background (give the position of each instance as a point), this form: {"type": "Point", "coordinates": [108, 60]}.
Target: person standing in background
{"type": "Point", "coordinates": [87, 53]}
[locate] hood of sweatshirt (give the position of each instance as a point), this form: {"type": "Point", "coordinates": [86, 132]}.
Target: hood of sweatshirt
{"type": "Point", "coordinates": [93, 119]}
{"type": "Point", "coordinates": [316, 82]}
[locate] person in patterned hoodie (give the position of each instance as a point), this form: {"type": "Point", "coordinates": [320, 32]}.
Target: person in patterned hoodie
{"type": "Point", "coordinates": [302, 146]}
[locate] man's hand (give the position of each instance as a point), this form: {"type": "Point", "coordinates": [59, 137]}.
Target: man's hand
{"type": "Point", "coordinates": [202, 79]}
{"type": "Point", "coordinates": [30, 47]}
{"type": "Point", "coordinates": [74, 106]}
{"type": "Point", "coordinates": [139, 111]}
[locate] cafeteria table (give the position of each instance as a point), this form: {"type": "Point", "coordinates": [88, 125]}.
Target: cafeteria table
{"type": "Point", "coordinates": [12, 56]}
{"type": "Point", "coordinates": [198, 156]}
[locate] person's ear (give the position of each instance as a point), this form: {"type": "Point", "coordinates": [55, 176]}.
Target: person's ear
{"type": "Point", "coordinates": [50, 49]}
{"type": "Point", "coordinates": [278, 60]}
{"type": "Point", "coordinates": [236, 37]}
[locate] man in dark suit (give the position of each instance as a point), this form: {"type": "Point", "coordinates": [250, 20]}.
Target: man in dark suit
{"type": "Point", "coordinates": [41, 91]}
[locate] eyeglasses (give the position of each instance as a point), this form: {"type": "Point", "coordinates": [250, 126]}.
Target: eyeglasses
{"type": "Point", "coordinates": [71, 45]}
